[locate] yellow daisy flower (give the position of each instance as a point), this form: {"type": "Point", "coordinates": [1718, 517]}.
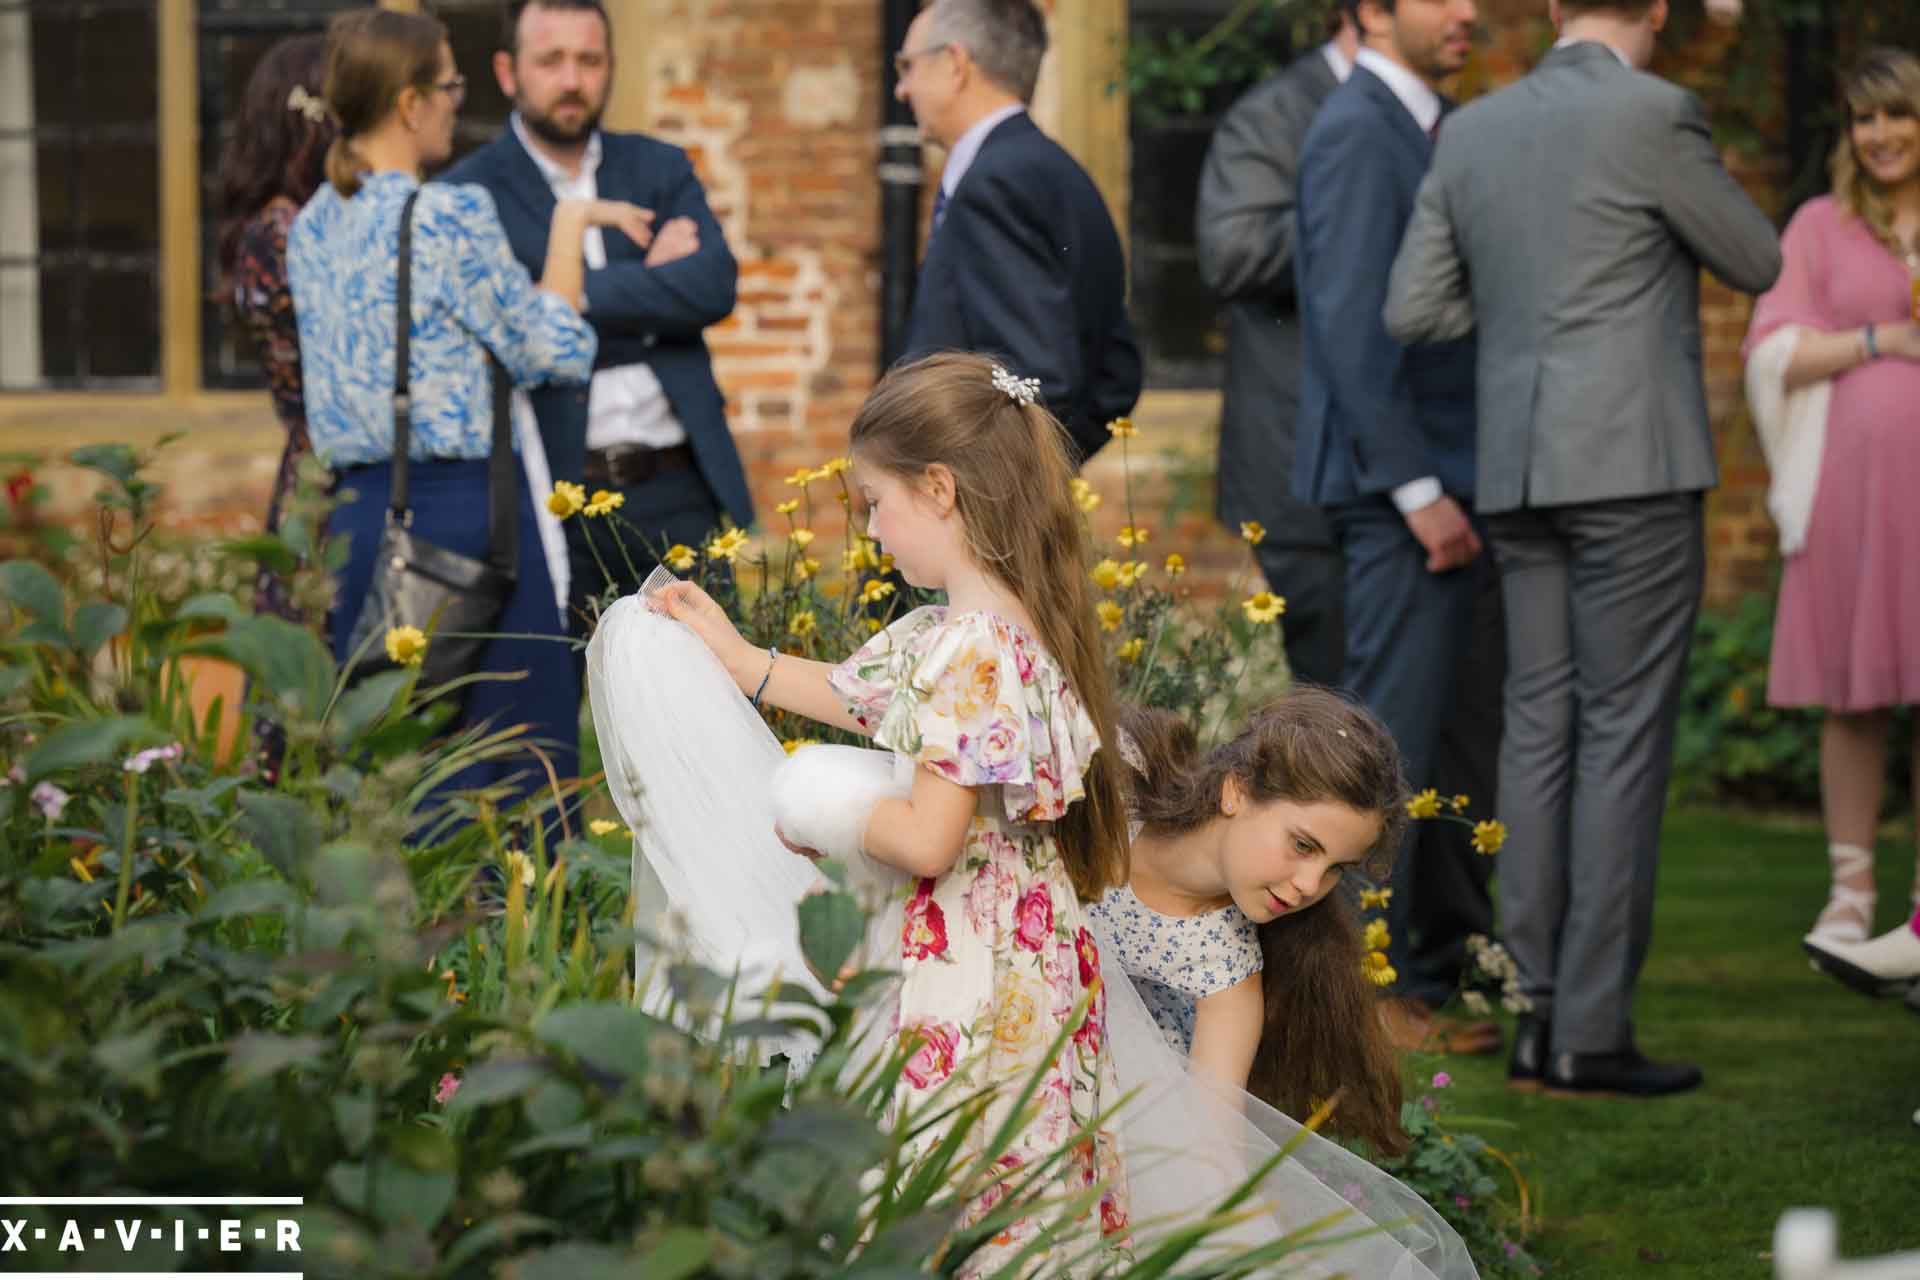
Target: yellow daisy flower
{"type": "Point", "coordinates": [1263, 607]}
{"type": "Point", "coordinates": [792, 745]}
{"type": "Point", "coordinates": [875, 591]}
{"type": "Point", "coordinates": [1489, 836]}
{"type": "Point", "coordinates": [1106, 574]}
{"type": "Point", "coordinates": [727, 545]}
{"type": "Point", "coordinates": [801, 623]}
{"type": "Point", "coordinates": [1376, 937]}
{"type": "Point", "coordinates": [566, 499]}
{"type": "Point", "coordinates": [1460, 803]}
{"type": "Point", "coordinates": [1111, 615]}
{"type": "Point", "coordinates": [520, 866]}
{"type": "Point", "coordinates": [873, 626]}
{"type": "Point", "coordinates": [406, 646]}
{"type": "Point", "coordinates": [805, 567]}
{"type": "Point", "coordinates": [1083, 495]}
{"type": "Point", "coordinates": [1424, 805]}
{"type": "Point", "coordinates": [603, 827]}
{"type": "Point", "coordinates": [1253, 531]}
{"type": "Point", "coordinates": [679, 557]}
{"type": "Point", "coordinates": [799, 478]}
{"type": "Point", "coordinates": [1378, 969]}
{"type": "Point", "coordinates": [801, 537]}
{"type": "Point", "coordinates": [788, 507]}
{"type": "Point", "coordinates": [1131, 650]}
{"type": "Point", "coordinates": [1176, 565]}
{"type": "Point", "coordinates": [1132, 572]}
{"type": "Point", "coordinates": [1375, 898]}
{"type": "Point", "coordinates": [1131, 536]}
{"type": "Point", "coordinates": [605, 500]}
{"type": "Point", "coordinates": [834, 466]}
{"type": "Point", "coordinates": [1123, 429]}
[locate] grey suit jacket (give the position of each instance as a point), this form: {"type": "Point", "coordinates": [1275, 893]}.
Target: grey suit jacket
{"type": "Point", "coordinates": [1244, 230]}
{"type": "Point", "coordinates": [1568, 216]}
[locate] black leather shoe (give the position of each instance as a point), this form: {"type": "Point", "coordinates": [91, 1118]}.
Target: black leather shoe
{"type": "Point", "coordinates": [1527, 1066]}
{"type": "Point", "coordinates": [1627, 1074]}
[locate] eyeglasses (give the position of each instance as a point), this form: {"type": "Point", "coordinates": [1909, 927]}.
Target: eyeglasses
{"type": "Point", "coordinates": [455, 88]}
{"type": "Point", "coordinates": [903, 62]}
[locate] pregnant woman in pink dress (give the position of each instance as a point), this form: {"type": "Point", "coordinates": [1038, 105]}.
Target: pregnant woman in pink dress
{"type": "Point", "coordinates": [1837, 334]}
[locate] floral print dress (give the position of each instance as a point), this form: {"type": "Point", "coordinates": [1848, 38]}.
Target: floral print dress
{"type": "Point", "coordinates": [996, 952]}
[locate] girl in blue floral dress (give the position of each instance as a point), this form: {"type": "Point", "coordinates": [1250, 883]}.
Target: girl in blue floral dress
{"type": "Point", "coordinates": [1015, 815]}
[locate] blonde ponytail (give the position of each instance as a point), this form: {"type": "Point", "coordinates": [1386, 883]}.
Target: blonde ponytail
{"type": "Point", "coordinates": [344, 167]}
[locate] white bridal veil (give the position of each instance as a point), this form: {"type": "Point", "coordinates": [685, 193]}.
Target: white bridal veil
{"type": "Point", "coordinates": [700, 779]}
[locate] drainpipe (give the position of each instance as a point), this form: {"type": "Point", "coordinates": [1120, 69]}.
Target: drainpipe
{"type": "Point", "coordinates": [900, 180]}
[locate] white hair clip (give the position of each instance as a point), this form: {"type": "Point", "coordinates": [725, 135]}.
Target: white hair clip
{"type": "Point", "coordinates": [313, 108]}
{"type": "Point", "coordinates": [1023, 390]}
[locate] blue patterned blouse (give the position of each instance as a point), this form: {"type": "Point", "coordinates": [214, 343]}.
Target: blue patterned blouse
{"type": "Point", "coordinates": [469, 296]}
{"type": "Point", "coordinates": [1174, 961]}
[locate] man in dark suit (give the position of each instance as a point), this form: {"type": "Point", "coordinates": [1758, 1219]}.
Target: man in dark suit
{"type": "Point", "coordinates": [1244, 230]}
{"type": "Point", "coordinates": [1023, 261]}
{"type": "Point", "coordinates": [652, 426]}
{"type": "Point", "coordinates": [1386, 447]}
{"type": "Point", "coordinates": [1595, 454]}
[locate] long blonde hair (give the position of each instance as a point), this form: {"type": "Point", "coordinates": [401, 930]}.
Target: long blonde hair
{"type": "Point", "coordinates": [1013, 489]}
{"type": "Point", "coordinates": [1883, 79]}
{"type": "Point", "coordinates": [373, 56]}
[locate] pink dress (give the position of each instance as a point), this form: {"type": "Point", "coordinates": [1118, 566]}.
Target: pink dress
{"type": "Point", "coordinates": [1846, 635]}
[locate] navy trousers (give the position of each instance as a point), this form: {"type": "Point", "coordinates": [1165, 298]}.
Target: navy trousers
{"type": "Point", "coordinates": [449, 501]}
{"type": "Point", "coordinates": [1426, 653]}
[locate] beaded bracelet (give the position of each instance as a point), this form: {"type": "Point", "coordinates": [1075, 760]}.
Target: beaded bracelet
{"type": "Point", "coordinates": [773, 651]}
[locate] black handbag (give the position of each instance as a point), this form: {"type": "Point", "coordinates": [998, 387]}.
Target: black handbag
{"type": "Point", "coordinates": [452, 598]}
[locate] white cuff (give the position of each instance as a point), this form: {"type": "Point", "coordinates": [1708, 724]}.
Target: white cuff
{"type": "Point", "coordinates": [1415, 494]}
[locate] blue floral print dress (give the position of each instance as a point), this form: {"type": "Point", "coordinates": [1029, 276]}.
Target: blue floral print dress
{"type": "Point", "coordinates": [996, 952]}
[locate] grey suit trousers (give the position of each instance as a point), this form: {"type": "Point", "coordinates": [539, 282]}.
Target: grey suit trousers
{"type": "Point", "coordinates": [1600, 604]}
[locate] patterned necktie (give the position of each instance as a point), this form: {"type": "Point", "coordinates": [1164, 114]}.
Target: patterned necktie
{"type": "Point", "coordinates": [939, 207]}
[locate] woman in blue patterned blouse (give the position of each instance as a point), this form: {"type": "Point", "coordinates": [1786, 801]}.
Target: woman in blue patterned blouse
{"type": "Point", "coordinates": [392, 84]}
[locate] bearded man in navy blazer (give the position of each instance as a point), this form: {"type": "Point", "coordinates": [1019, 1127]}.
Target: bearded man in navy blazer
{"type": "Point", "coordinates": [1023, 261]}
{"type": "Point", "coordinates": [1386, 448]}
{"type": "Point", "coordinates": [652, 425]}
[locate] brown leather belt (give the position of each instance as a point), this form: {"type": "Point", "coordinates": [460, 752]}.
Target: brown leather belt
{"type": "Point", "coordinates": [622, 466]}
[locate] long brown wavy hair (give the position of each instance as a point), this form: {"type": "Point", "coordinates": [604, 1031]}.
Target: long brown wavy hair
{"type": "Point", "coordinates": [1322, 1033]}
{"type": "Point", "coordinates": [1882, 79]}
{"type": "Point", "coordinates": [373, 56]}
{"type": "Point", "coordinates": [1013, 489]}
{"type": "Point", "coordinates": [276, 148]}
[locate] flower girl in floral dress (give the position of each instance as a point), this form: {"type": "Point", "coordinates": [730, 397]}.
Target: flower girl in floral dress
{"type": "Point", "coordinates": [1014, 816]}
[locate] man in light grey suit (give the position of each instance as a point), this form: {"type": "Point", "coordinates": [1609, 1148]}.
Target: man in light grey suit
{"type": "Point", "coordinates": [1568, 216]}
{"type": "Point", "coordinates": [1244, 230]}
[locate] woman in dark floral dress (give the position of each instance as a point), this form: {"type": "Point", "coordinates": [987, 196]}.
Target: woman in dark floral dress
{"type": "Point", "coordinates": [273, 163]}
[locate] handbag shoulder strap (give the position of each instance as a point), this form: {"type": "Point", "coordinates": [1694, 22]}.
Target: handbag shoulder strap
{"type": "Point", "coordinates": [402, 362]}
{"type": "Point", "coordinates": [503, 506]}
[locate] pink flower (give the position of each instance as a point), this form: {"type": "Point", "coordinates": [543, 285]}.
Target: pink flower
{"type": "Point", "coordinates": [993, 889]}
{"type": "Point", "coordinates": [1059, 976]}
{"type": "Point", "coordinates": [1113, 1217]}
{"type": "Point", "coordinates": [999, 745]}
{"type": "Point", "coordinates": [141, 761]}
{"type": "Point", "coordinates": [1461, 1200]}
{"type": "Point", "coordinates": [932, 1060]}
{"type": "Point", "coordinates": [924, 932]}
{"type": "Point", "coordinates": [1092, 1030]}
{"type": "Point", "coordinates": [444, 1091]}
{"type": "Point", "coordinates": [1089, 952]}
{"type": "Point", "coordinates": [1033, 919]}
{"type": "Point", "coordinates": [50, 800]}
{"type": "Point", "coordinates": [1441, 1080]}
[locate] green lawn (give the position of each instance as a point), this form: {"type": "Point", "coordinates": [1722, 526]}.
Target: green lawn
{"type": "Point", "coordinates": [1809, 1086]}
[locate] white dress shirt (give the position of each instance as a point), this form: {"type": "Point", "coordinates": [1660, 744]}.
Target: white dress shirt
{"type": "Point", "coordinates": [1423, 104]}
{"type": "Point", "coordinates": [961, 157]}
{"type": "Point", "coordinates": [1342, 65]}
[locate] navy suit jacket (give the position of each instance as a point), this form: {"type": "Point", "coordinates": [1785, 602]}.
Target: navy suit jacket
{"type": "Point", "coordinates": [1373, 414]}
{"type": "Point", "coordinates": [1026, 265]}
{"type": "Point", "coordinates": [644, 315]}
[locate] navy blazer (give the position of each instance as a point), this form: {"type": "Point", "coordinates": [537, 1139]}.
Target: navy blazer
{"type": "Point", "coordinates": [1373, 414]}
{"type": "Point", "coordinates": [1026, 265]}
{"type": "Point", "coordinates": [644, 315]}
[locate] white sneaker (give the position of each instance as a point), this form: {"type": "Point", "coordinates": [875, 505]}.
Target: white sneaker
{"type": "Point", "coordinates": [1888, 965]}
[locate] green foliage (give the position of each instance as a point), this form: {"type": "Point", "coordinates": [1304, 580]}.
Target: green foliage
{"type": "Point", "coordinates": [1173, 73]}
{"type": "Point", "coordinates": [1460, 1174]}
